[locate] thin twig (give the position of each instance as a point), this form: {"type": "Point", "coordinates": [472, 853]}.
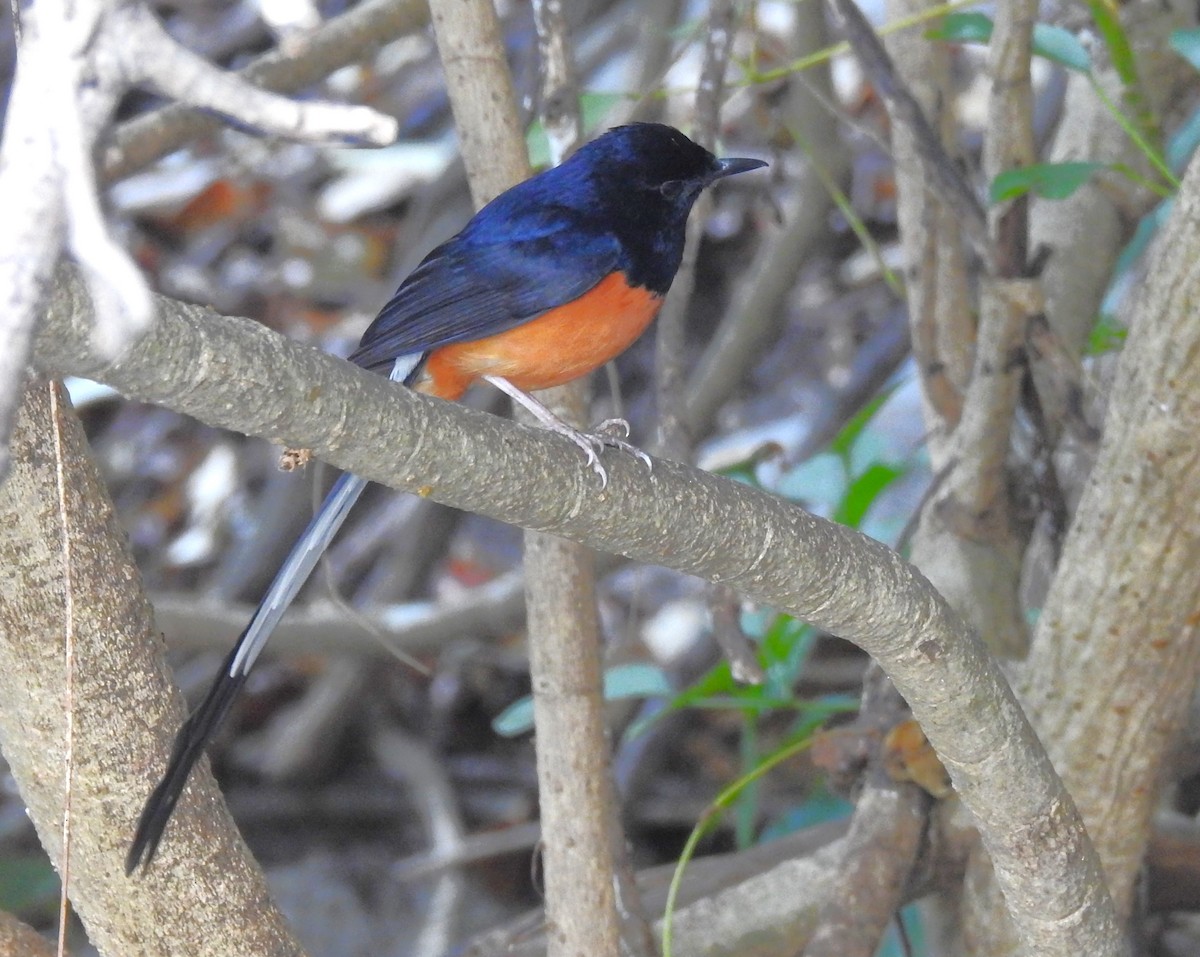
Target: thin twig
{"type": "Point", "coordinates": [904, 108]}
{"type": "Point", "coordinates": [674, 440]}
{"type": "Point", "coordinates": [68, 572]}
{"type": "Point", "coordinates": [155, 57]}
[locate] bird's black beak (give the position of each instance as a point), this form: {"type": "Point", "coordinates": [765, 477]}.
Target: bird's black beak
{"type": "Point", "coordinates": [736, 164]}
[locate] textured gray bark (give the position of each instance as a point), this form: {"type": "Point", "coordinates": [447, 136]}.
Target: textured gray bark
{"type": "Point", "coordinates": [109, 706]}
{"type": "Point", "coordinates": [234, 374]}
{"type": "Point", "coordinates": [1117, 650]}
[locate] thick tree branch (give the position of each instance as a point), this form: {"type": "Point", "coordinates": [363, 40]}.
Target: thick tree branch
{"type": "Point", "coordinates": [233, 374]}
{"type": "Point", "coordinates": [574, 785]}
{"type": "Point", "coordinates": [1126, 591]}
{"type": "Point", "coordinates": [122, 709]}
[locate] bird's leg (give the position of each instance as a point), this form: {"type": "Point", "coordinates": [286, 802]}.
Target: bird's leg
{"type": "Point", "coordinates": [610, 432]}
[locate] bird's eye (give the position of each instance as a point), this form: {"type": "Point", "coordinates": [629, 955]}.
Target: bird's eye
{"type": "Point", "coordinates": [671, 188]}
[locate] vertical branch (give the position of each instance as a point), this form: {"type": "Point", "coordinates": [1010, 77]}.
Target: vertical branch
{"type": "Point", "coordinates": [563, 628]}
{"type": "Point", "coordinates": [757, 311]}
{"type": "Point", "coordinates": [584, 846]}
{"type": "Point", "coordinates": [560, 87]}
{"type": "Point", "coordinates": [671, 345]}
{"type": "Point", "coordinates": [967, 543]}
{"type": "Point", "coordinates": [471, 49]}
{"type": "Point", "coordinates": [977, 540]}
{"type": "Point", "coordinates": [938, 285]}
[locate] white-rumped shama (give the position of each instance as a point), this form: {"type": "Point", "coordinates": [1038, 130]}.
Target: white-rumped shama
{"type": "Point", "coordinates": [547, 282]}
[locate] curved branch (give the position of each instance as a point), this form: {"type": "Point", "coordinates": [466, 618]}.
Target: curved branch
{"type": "Point", "coordinates": [234, 374]}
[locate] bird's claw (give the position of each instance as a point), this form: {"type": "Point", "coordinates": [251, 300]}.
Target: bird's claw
{"type": "Point", "coordinates": [611, 433]}
{"type": "Point", "coordinates": [614, 432]}
{"type": "Point", "coordinates": [613, 428]}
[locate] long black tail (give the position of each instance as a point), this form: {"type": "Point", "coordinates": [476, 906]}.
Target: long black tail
{"type": "Point", "coordinates": [204, 722]}
{"type": "Point", "coordinates": [200, 728]}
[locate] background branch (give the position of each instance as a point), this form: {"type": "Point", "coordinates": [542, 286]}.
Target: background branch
{"type": "Point", "coordinates": [306, 60]}
{"type": "Point", "coordinates": [80, 58]}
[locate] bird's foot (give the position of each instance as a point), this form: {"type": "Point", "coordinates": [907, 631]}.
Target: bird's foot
{"type": "Point", "coordinates": [611, 433]}
{"type": "Point", "coordinates": [614, 432]}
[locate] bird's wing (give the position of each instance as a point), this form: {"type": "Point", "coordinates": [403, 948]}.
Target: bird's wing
{"type": "Point", "coordinates": [485, 281]}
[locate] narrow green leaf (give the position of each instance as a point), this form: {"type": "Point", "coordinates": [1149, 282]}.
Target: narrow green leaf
{"type": "Point", "coordinates": [638, 679]}
{"type": "Point", "coordinates": [635, 680]}
{"type": "Point", "coordinates": [962, 28]}
{"type": "Point", "coordinates": [1054, 43]}
{"type": "Point", "coordinates": [1122, 279]}
{"type": "Point", "coordinates": [1184, 141]}
{"type": "Point", "coordinates": [863, 491]}
{"type": "Point", "coordinates": [516, 719]}
{"type": "Point", "coordinates": [1061, 46]}
{"type": "Point", "coordinates": [1106, 335]}
{"type": "Point", "coordinates": [843, 442]}
{"type": "Point", "coordinates": [1187, 44]}
{"type": "Point", "coordinates": [1048, 180]}
{"type": "Point", "coordinates": [1120, 52]}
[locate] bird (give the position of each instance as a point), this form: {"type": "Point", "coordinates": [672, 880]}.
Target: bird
{"type": "Point", "coordinates": [547, 282]}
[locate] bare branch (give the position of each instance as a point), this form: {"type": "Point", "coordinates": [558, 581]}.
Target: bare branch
{"type": "Point", "coordinates": [670, 353]}
{"type": "Point", "coordinates": [904, 108]}
{"type": "Point", "coordinates": [235, 374]}
{"type": "Point", "coordinates": [758, 306]}
{"type": "Point", "coordinates": [153, 56]}
{"type": "Point", "coordinates": [323, 628]}
{"type": "Point", "coordinates": [343, 40]}
{"type": "Point", "coordinates": [889, 824]}
{"type": "Point", "coordinates": [75, 62]}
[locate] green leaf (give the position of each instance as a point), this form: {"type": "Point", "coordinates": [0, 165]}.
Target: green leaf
{"type": "Point", "coordinates": [638, 679]}
{"type": "Point", "coordinates": [1113, 31]}
{"type": "Point", "coordinates": [962, 28]}
{"type": "Point", "coordinates": [1122, 279]}
{"type": "Point", "coordinates": [516, 719]}
{"type": "Point", "coordinates": [1184, 141]}
{"type": "Point", "coordinates": [863, 491]}
{"type": "Point", "coordinates": [593, 108]}
{"type": "Point", "coordinates": [1048, 180]}
{"type": "Point", "coordinates": [1187, 44]}
{"type": "Point", "coordinates": [1054, 43]}
{"type": "Point", "coordinates": [1061, 46]}
{"type": "Point", "coordinates": [1106, 335]}
{"type": "Point", "coordinates": [635, 680]}
{"type": "Point", "coordinates": [843, 442]}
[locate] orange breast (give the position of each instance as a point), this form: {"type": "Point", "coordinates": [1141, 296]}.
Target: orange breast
{"type": "Point", "coordinates": [558, 346]}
